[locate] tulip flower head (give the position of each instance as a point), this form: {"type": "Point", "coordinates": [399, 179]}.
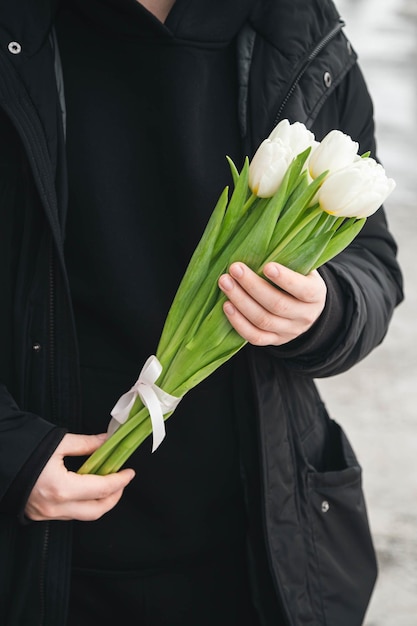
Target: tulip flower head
{"type": "Point", "coordinates": [275, 154]}
{"type": "Point", "coordinates": [268, 167]}
{"type": "Point", "coordinates": [357, 190]}
{"type": "Point", "coordinates": [296, 136]}
{"type": "Point", "coordinates": [334, 152]}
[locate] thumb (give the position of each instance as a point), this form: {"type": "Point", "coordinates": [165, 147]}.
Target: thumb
{"type": "Point", "coordinates": [80, 445]}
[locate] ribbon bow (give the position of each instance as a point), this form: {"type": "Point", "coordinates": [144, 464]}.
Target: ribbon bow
{"type": "Point", "coordinates": [157, 401]}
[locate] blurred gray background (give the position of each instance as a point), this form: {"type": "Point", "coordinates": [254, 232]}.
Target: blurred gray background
{"type": "Point", "coordinates": [376, 402]}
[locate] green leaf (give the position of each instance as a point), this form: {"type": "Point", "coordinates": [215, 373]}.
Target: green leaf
{"type": "Point", "coordinates": [298, 189]}
{"type": "Point", "coordinates": [340, 240]}
{"type": "Point", "coordinates": [303, 258]}
{"type": "Point", "coordinates": [295, 213]}
{"type": "Point", "coordinates": [295, 173]}
{"type": "Point", "coordinates": [214, 342]}
{"type": "Point", "coordinates": [327, 222]}
{"type": "Point", "coordinates": [235, 209]}
{"type": "Point", "coordinates": [233, 170]}
{"type": "Point", "coordinates": [248, 246]}
{"type": "Point", "coordinates": [302, 233]}
{"type": "Point", "coordinates": [182, 307]}
{"type": "Point", "coordinates": [296, 236]}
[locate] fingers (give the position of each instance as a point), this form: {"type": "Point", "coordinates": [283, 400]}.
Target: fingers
{"type": "Point", "coordinates": [80, 445]}
{"type": "Point", "coordinates": [81, 498]}
{"type": "Point", "coordinates": [59, 494]}
{"type": "Point", "coordinates": [84, 487]}
{"type": "Point", "coordinates": [301, 288]}
{"type": "Point", "coordinates": [265, 315]}
{"type": "Point", "coordinates": [250, 331]}
{"type": "Point", "coordinates": [75, 496]}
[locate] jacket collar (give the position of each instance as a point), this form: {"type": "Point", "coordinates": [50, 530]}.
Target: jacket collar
{"type": "Point", "coordinates": [275, 49]}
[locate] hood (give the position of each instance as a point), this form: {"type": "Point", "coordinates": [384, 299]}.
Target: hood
{"type": "Point", "coordinates": [197, 21]}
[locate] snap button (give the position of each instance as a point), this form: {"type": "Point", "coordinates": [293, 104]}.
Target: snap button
{"type": "Point", "coordinates": [14, 47]}
{"type": "Point", "coordinates": [325, 506]}
{"type": "Point", "coordinates": [327, 79]}
{"type": "Point", "coordinates": [36, 347]}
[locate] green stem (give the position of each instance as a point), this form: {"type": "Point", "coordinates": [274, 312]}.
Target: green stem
{"type": "Point", "coordinates": [91, 465]}
{"type": "Point", "coordinates": [125, 448]}
{"type": "Point", "coordinates": [252, 198]}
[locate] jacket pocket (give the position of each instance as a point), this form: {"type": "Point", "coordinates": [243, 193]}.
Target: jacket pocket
{"type": "Point", "coordinates": [342, 543]}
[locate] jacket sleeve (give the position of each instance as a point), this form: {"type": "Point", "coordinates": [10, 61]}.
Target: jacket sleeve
{"type": "Point", "coordinates": [26, 443]}
{"type": "Point", "coordinates": [364, 281]}
{"type": "Point", "coordinates": [26, 440]}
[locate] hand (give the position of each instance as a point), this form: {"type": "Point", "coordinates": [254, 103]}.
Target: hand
{"type": "Point", "coordinates": [59, 494]}
{"type": "Point", "coordinates": [265, 315]}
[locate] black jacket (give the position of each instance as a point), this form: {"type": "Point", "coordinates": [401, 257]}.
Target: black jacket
{"type": "Point", "coordinates": [294, 61]}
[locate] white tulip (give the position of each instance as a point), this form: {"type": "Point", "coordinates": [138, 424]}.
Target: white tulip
{"type": "Point", "coordinates": [357, 190]}
{"type": "Point", "coordinates": [296, 136]}
{"type": "Point", "coordinates": [335, 151]}
{"type": "Point", "coordinates": [268, 167]}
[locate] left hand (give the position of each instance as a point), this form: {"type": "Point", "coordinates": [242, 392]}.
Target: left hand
{"type": "Point", "coordinates": [265, 315]}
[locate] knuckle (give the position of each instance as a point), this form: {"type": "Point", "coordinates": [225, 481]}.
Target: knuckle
{"type": "Point", "coordinates": [286, 333]}
{"type": "Point", "coordinates": [310, 295]}
{"type": "Point", "coordinates": [280, 307]}
{"type": "Point", "coordinates": [309, 318]}
{"type": "Point", "coordinates": [269, 317]}
{"type": "Point", "coordinates": [257, 339]}
{"type": "Point", "coordinates": [57, 494]}
{"type": "Point", "coordinates": [265, 321]}
{"type": "Point", "coordinates": [47, 511]}
{"type": "Point", "coordinates": [51, 495]}
{"type": "Point", "coordinates": [103, 492]}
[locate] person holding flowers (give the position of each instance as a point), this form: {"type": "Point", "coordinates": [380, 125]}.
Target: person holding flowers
{"type": "Point", "coordinates": [246, 507]}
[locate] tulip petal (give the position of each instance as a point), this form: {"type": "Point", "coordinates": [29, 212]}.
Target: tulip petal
{"type": "Point", "coordinates": [335, 151]}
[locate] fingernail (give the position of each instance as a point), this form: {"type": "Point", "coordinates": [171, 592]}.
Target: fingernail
{"type": "Point", "coordinates": [226, 282]}
{"type": "Point", "coordinates": [228, 308]}
{"type": "Point", "coordinates": [271, 270]}
{"type": "Point", "coordinates": [236, 270]}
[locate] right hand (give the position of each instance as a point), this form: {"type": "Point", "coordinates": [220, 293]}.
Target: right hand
{"type": "Point", "coordinates": [60, 494]}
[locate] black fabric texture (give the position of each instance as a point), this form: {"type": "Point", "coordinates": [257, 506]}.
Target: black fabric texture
{"type": "Point", "coordinates": [280, 38]}
{"type": "Point", "coordinates": [212, 591]}
{"type": "Point", "coordinates": [147, 137]}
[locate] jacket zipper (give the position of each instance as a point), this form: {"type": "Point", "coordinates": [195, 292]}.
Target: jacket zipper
{"type": "Point", "coordinates": [51, 367]}
{"type": "Point", "coordinates": [322, 44]}
{"type": "Point", "coordinates": [51, 336]}
{"type": "Point", "coordinates": [44, 555]}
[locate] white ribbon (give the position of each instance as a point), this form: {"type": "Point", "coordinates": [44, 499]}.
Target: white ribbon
{"type": "Point", "coordinates": [157, 401]}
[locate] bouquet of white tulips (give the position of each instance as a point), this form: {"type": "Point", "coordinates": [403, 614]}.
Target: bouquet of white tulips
{"type": "Point", "coordinates": [299, 202]}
